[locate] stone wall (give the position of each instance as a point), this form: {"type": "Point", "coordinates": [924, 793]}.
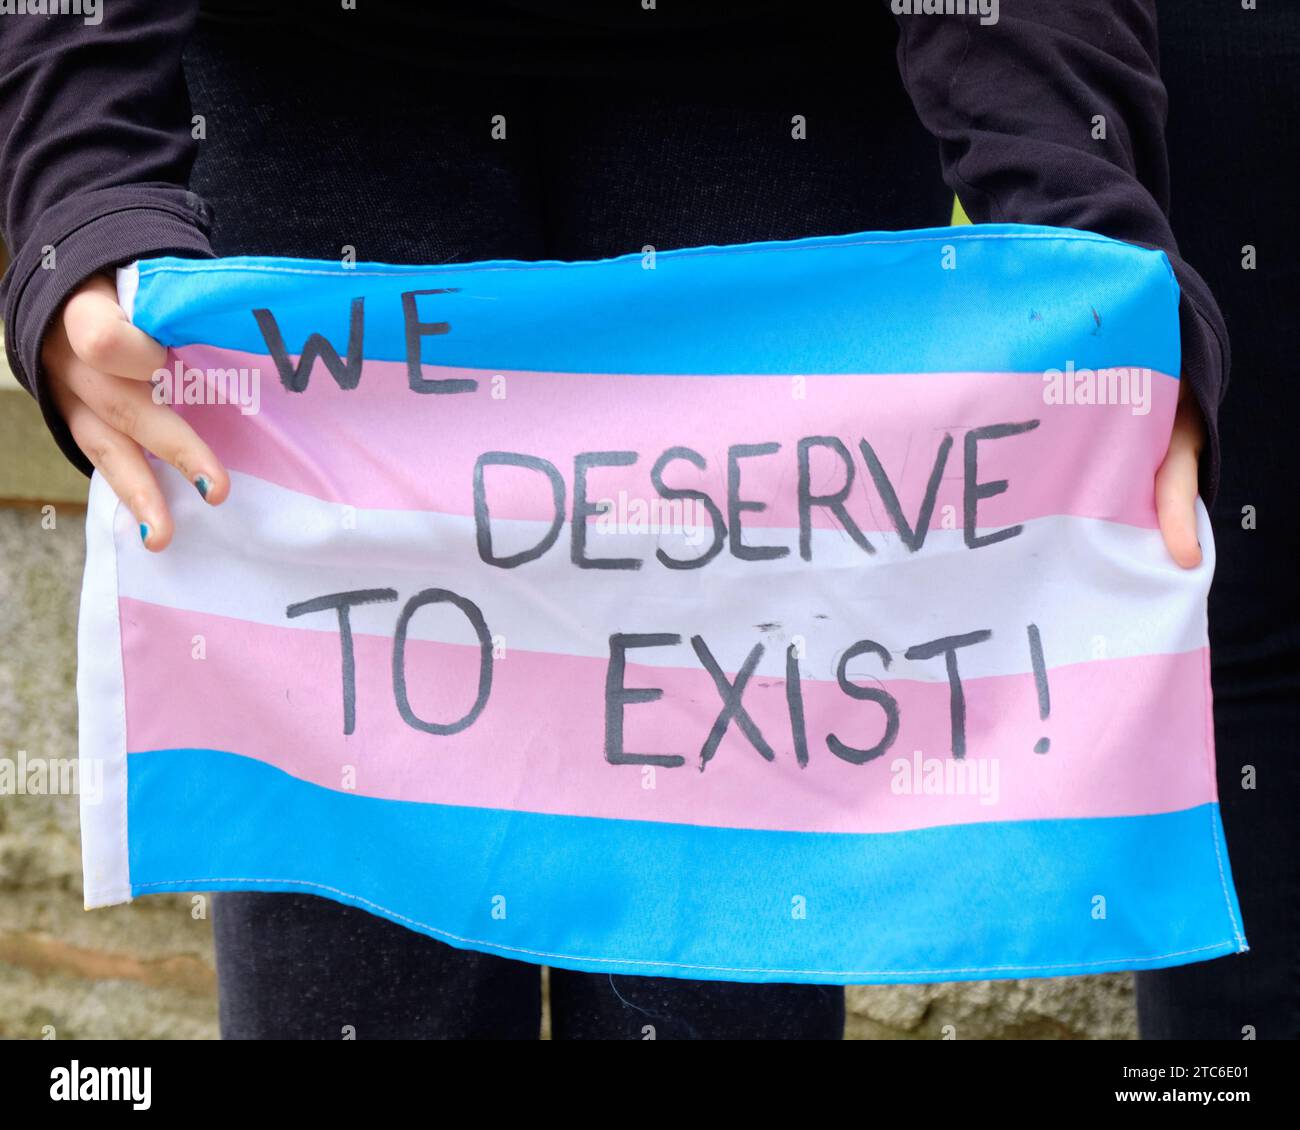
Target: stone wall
{"type": "Point", "coordinates": [145, 970]}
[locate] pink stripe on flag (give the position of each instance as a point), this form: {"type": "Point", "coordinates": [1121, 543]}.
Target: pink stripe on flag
{"type": "Point", "coordinates": [287, 684]}
{"type": "Point", "coordinates": [350, 447]}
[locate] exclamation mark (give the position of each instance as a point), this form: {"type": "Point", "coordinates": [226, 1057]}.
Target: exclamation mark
{"type": "Point", "coordinates": [1040, 681]}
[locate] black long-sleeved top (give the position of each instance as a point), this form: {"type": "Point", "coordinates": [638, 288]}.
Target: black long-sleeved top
{"type": "Point", "coordinates": [95, 145]}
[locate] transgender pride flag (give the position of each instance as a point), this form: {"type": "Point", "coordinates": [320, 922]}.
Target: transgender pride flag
{"type": "Point", "coordinates": [782, 612]}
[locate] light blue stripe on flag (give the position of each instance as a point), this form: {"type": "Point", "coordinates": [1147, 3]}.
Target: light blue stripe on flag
{"type": "Point", "coordinates": [985, 298]}
{"type": "Point", "coordinates": [966, 902]}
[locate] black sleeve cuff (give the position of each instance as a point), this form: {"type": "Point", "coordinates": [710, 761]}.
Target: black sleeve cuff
{"type": "Point", "coordinates": [88, 234]}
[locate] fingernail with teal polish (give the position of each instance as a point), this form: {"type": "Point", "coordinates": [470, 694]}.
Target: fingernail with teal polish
{"type": "Point", "coordinates": [203, 484]}
{"type": "Point", "coordinates": [145, 531]}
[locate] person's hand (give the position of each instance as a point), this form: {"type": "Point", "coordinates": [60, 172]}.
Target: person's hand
{"type": "Point", "coordinates": [1176, 482]}
{"type": "Point", "coordinates": [99, 368]}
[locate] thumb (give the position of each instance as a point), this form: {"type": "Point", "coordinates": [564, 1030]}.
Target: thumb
{"type": "Point", "coordinates": [1176, 486]}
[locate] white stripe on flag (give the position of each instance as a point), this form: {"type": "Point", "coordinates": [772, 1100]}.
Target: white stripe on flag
{"type": "Point", "coordinates": [268, 547]}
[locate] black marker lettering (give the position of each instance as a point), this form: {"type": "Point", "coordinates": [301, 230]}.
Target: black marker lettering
{"type": "Point", "coordinates": [833, 502]}
{"type": "Point", "coordinates": [617, 696]}
{"type": "Point", "coordinates": [794, 703]}
{"type": "Point", "coordinates": [346, 374]}
{"type": "Point", "coordinates": [912, 538]}
{"type": "Point", "coordinates": [416, 331]}
{"type": "Point", "coordinates": [342, 602]}
{"type": "Point", "coordinates": [483, 519]}
{"type": "Point", "coordinates": [719, 526]}
{"type": "Point", "coordinates": [947, 647]}
{"type": "Point", "coordinates": [732, 706]}
{"type": "Point", "coordinates": [887, 703]}
{"type": "Point", "coordinates": [975, 490]}
{"type": "Point", "coordinates": [582, 509]}
{"type": "Point", "coordinates": [475, 617]}
{"type": "Point", "coordinates": [737, 505]}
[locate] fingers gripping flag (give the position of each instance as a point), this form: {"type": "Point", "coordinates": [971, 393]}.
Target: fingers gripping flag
{"type": "Point", "coordinates": [780, 612]}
